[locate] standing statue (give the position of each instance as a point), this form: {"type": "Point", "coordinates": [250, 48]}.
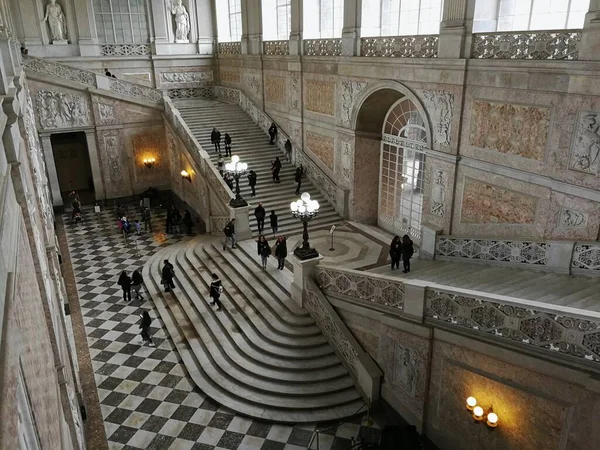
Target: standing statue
{"type": "Point", "coordinates": [56, 21]}
{"type": "Point", "coordinates": [182, 22]}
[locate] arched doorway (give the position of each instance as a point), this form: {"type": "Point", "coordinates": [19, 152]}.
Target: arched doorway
{"type": "Point", "coordinates": [392, 139]}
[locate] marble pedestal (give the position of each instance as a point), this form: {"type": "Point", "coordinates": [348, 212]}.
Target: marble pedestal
{"type": "Point", "coordinates": [242, 223]}
{"type": "Point", "coordinates": [302, 269]}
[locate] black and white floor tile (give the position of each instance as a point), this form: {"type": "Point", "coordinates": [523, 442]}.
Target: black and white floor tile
{"type": "Point", "coordinates": [148, 401]}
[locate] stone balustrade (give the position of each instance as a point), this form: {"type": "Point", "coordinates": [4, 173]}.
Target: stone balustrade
{"type": "Point", "coordinates": [125, 50]}
{"type": "Point", "coordinates": [322, 47]}
{"type": "Point", "coordinates": [423, 46]}
{"type": "Point", "coordinates": [276, 47]}
{"type": "Point", "coordinates": [556, 45]}
{"type": "Point", "coordinates": [230, 48]}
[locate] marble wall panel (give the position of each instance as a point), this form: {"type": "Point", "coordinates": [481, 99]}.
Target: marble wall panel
{"type": "Point", "coordinates": [365, 330]}
{"type": "Point", "coordinates": [319, 96]}
{"type": "Point", "coordinates": [230, 76]}
{"type": "Point", "coordinates": [253, 86]}
{"type": "Point", "coordinates": [114, 163]}
{"type": "Point", "coordinates": [323, 147]}
{"type": "Point", "coordinates": [275, 90]}
{"type": "Point", "coordinates": [149, 144]}
{"type": "Point", "coordinates": [439, 192]}
{"type": "Point", "coordinates": [364, 198]}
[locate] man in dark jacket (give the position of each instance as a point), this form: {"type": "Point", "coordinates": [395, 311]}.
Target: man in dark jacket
{"type": "Point", "coordinates": [168, 272]}
{"type": "Point", "coordinates": [215, 290]}
{"type": "Point", "coordinates": [137, 280]}
{"type": "Point", "coordinates": [272, 133]}
{"type": "Point", "coordinates": [260, 213]}
{"type": "Point", "coordinates": [288, 150]}
{"type": "Point", "coordinates": [275, 168]}
{"type": "Point", "coordinates": [215, 139]}
{"type": "Point", "coordinates": [252, 182]}
{"type": "Point", "coordinates": [281, 252]}
{"type": "Point", "coordinates": [273, 218]}
{"type": "Point", "coordinates": [125, 283]}
{"type": "Point", "coordinates": [227, 145]}
{"type": "Point", "coordinates": [298, 178]}
{"type": "Point", "coordinates": [229, 232]}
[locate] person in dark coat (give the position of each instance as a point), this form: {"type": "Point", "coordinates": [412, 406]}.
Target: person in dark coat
{"type": "Point", "coordinates": [281, 252]}
{"type": "Point", "coordinates": [298, 178]}
{"type": "Point", "coordinates": [229, 180]}
{"type": "Point", "coordinates": [288, 150]}
{"type": "Point", "coordinates": [275, 168]}
{"type": "Point", "coordinates": [216, 288]}
{"type": "Point", "coordinates": [264, 251]}
{"type": "Point", "coordinates": [168, 273]}
{"type": "Point", "coordinates": [273, 218]}
{"type": "Point", "coordinates": [136, 282]}
{"type": "Point", "coordinates": [260, 214]}
{"type": "Point", "coordinates": [145, 326]}
{"type": "Point", "coordinates": [187, 221]}
{"type": "Point", "coordinates": [252, 181]}
{"type": "Point", "coordinates": [227, 145]}
{"type": "Point", "coordinates": [229, 232]}
{"type": "Point", "coordinates": [147, 218]}
{"type": "Point", "coordinates": [407, 251]}
{"type": "Point", "coordinates": [215, 139]}
{"type": "Point", "coordinates": [272, 133]}
{"type": "Point", "coordinates": [396, 252]}
{"type": "Point", "coordinates": [125, 283]}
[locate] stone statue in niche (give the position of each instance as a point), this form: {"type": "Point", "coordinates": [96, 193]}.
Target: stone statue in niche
{"type": "Point", "coordinates": [56, 22]}
{"type": "Point", "coordinates": [182, 22]}
{"type": "Point", "coordinates": [405, 369]}
{"type": "Point", "coordinates": [61, 110]}
{"type": "Point", "coordinates": [438, 194]}
{"type": "Point", "coordinates": [585, 154]}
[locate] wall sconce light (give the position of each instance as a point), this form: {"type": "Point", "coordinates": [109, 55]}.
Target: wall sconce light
{"type": "Point", "coordinates": [149, 162]}
{"type": "Point", "coordinates": [186, 175]}
{"type": "Point", "coordinates": [479, 414]}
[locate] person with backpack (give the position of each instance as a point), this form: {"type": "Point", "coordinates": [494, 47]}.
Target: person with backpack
{"type": "Point", "coordinates": [216, 288]}
{"type": "Point", "coordinates": [272, 133]}
{"type": "Point", "coordinates": [229, 232]}
{"type": "Point", "coordinates": [168, 273]}
{"type": "Point", "coordinates": [275, 169]}
{"type": "Point", "coordinates": [260, 214]}
{"type": "Point", "coordinates": [252, 182]}
{"type": "Point", "coordinates": [407, 251]}
{"type": "Point", "coordinates": [215, 139]}
{"type": "Point", "coordinates": [137, 281]}
{"type": "Point", "coordinates": [281, 252]}
{"type": "Point", "coordinates": [227, 145]}
{"type": "Point", "coordinates": [396, 252]}
{"type": "Point", "coordinates": [264, 251]}
{"type": "Point", "coordinates": [145, 326]}
{"type": "Point", "coordinates": [298, 178]}
{"type": "Point", "coordinates": [125, 283]}
{"type": "Point", "coordinates": [273, 218]}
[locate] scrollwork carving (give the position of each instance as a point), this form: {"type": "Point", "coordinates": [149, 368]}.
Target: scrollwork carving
{"type": "Point", "coordinates": [586, 256]}
{"type": "Point", "coordinates": [125, 50]}
{"type": "Point", "coordinates": [276, 47]}
{"type": "Point", "coordinates": [350, 90]}
{"type": "Point", "coordinates": [199, 76]}
{"type": "Point", "coordinates": [585, 150]}
{"type": "Point", "coordinates": [522, 252]}
{"type": "Point", "coordinates": [438, 193]}
{"type": "Point", "coordinates": [401, 46]}
{"type": "Point", "coordinates": [439, 106]}
{"type": "Point", "coordinates": [323, 47]}
{"type": "Point", "coordinates": [527, 45]}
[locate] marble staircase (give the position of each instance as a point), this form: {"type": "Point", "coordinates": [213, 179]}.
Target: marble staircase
{"type": "Point", "coordinates": [260, 355]}
{"type": "Point", "coordinates": [251, 144]}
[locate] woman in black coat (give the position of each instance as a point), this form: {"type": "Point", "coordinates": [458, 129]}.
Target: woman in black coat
{"type": "Point", "coordinates": [396, 252]}
{"type": "Point", "coordinates": [125, 283]}
{"type": "Point", "coordinates": [407, 251]}
{"type": "Point", "coordinates": [264, 251]}
{"type": "Point", "coordinates": [215, 291]}
{"type": "Point", "coordinates": [145, 326]}
{"type": "Point", "coordinates": [273, 218]}
{"type": "Point", "coordinates": [281, 252]}
{"type": "Point", "coordinates": [137, 280]}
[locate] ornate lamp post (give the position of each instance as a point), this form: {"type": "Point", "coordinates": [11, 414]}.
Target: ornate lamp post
{"type": "Point", "coordinates": [237, 169]}
{"type": "Point", "coordinates": [305, 209]}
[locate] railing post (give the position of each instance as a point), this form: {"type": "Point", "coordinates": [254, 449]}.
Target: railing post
{"type": "Point", "coordinates": [414, 300]}
{"type": "Point", "coordinates": [429, 235]}
{"type": "Point", "coordinates": [351, 29]}
{"type": "Point", "coordinates": [589, 48]}
{"type": "Point", "coordinates": [296, 28]}
{"type": "Point", "coordinates": [456, 29]}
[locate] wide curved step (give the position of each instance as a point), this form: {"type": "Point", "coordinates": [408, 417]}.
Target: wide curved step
{"type": "Point", "coordinates": [233, 360]}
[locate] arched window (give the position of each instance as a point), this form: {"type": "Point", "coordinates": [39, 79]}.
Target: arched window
{"type": "Point", "coordinates": [401, 17]}
{"type": "Point", "coordinates": [523, 15]}
{"type": "Point", "coordinates": [323, 19]}
{"type": "Point", "coordinates": [229, 20]}
{"type": "Point", "coordinates": [277, 17]}
{"type": "Point", "coordinates": [122, 21]}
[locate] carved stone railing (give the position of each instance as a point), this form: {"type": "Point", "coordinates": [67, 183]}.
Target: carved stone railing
{"type": "Point", "coordinates": [276, 47]}
{"type": "Point", "coordinates": [135, 90]}
{"type": "Point", "coordinates": [190, 93]}
{"type": "Point", "coordinates": [361, 286]}
{"type": "Point", "coordinates": [323, 47]}
{"type": "Point", "coordinates": [125, 49]}
{"type": "Point", "coordinates": [361, 366]}
{"type": "Point", "coordinates": [424, 46]}
{"type": "Point", "coordinates": [586, 258]}
{"type": "Point", "coordinates": [230, 48]}
{"type": "Point", "coordinates": [560, 44]}
{"type": "Point", "coordinates": [62, 71]}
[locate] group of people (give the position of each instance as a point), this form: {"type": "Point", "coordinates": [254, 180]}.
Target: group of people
{"type": "Point", "coordinates": [127, 227]}
{"type": "Point", "coordinates": [264, 251]}
{"type": "Point", "coordinates": [174, 220]}
{"type": "Point", "coordinates": [260, 214]}
{"type": "Point", "coordinates": [135, 281]}
{"type": "Point", "coordinates": [215, 139]}
{"type": "Point", "coordinates": [401, 249]}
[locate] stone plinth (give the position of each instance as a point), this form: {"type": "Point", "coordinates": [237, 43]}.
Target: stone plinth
{"type": "Point", "coordinates": [302, 269]}
{"type": "Point", "coordinates": [242, 223]}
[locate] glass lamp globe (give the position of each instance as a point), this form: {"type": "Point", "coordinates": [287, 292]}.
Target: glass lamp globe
{"type": "Point", "coordinates": [302, 209]}
{"type": "Point", "coordinates": [492, 420]}
{"type": "Point", "coordinates": [315, 205]}
{"type": "Point", "coordinates": [305, 197]}
{"type": "Point", "coordinates": [228, 166]}
{"type": "Point", "coordinates": [235, 159]}
{"type": "Point", "coordinates": [471, 403]}
{"type": "Point", "coordinates": [478, 413]}
{"type": "Point", "coordinates": [299, 203]}
{"type": "Point", "coordinates": [244, 166]}
{"type": "Point", "coordinates": [293, 206]}
{"type": "Point", "coordinates": [310, 208]}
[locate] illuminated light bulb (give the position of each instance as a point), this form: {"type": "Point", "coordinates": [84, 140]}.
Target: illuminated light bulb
{"type": "Point", "coordinates": [185, 174]}
{"type": "Point", "coordinates": [305, 197]}
{"type": "Point", "coordinates": [299, 203]}
{"type": "Point", "coordinates": [293, 206]}
{"type": "Point", "coordinates": [235, 159]}
{"type": "Point", "coordinates": [302, 209]}
{"type": "Point", "coordinates": [315, 205]}
{"type": "Point", "coordinates": [471, 403]}
{"type": "Point", "coordinates": [492, 420]}
{"type": "Point", "coordinates": [478, 413]}
{"type": "Point", "coordinates": [310, 208]}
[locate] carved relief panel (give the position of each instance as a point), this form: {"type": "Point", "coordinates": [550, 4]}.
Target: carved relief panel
{"type": "Point", "coordinates": [113, 162]}
{"type": "Point", "coordinates": [106, 114]}
{"type": "Point", "coordinates": [229, 76]}
{"type": "Point", "coordinates": [275, 90]}
{"type": "Point", "coordinates": [350, 90]}
{"type": "Point", "coordinates": [186, 78]}
{"type": "Point", "coordinates": [253, 85]}
{"type": "Point", "coordinates": [585, 149]}
{"type": "Point", "coordinates": [440, 108]}
{"type": "Point", "coordinates": [345, 159]}
{"type": "Point", "coordinates": [439, 189]}
{"type": "Point", "coordinates": [319, 97]}
{"type": "Point", "coordinates": [61, 109]}
{"type": "Point", "coordinates": [296, 93]}
{"type": "Point", "coordinates": [322, 147]}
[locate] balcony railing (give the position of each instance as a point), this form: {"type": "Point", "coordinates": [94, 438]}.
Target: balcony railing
{"type": "Point", "coordinates": [276, 47]}
{"type": "Point", "coordinates": [556, 45]}
{"type": "Point", "coordinates": [323, 47]}
{"type": "Point", "coordinates": [125, 50]}
{"type": "Point", "coordinates": [230, 48]}
{"type": "Point", "coordinates": [423, 46]}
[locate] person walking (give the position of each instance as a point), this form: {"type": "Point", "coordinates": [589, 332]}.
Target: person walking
{"type": "Point", "coordinates": [396, 252]}
{"type": "Point", "coordinates": [145, 326]}
{"type": "Point", "coordinates": [147, 219]}
{"type": "Point", "coordinates": [136, 284]}
{"type": "Point", "coordinates": [168, 273]}
{"type": "Point", "coordinates": [187, 221]}
{"type": "Point", "coordinates": [260, 214]}
{"type": "Point", "coordinates": [298, 178]}
{"type": "Point", "coordinates": [273, 218]}
{"type": "Point", "coordinates": [275, 168]}
{"type": "Point", "coordinates": [227, 145]}
{"type": "Point", "coordinates": [220, 164]}
{"type": "Point", "coordinates": [125, 283]}
{"type": "Point", "coordinates": [252, 182]}
{"type": "Point", "coordinates": [264, 251]}
{"type": "Point", "coordinates": [288, 151]}
{"type": "Point", "coordinates": [216, 288]}
{"type": "Point", "coordinates": [215, 139]}
{"type": "Point", "coordinates": [272, 133]}
{"type": "Point", "coordinates": [229, 180]}
{"type": "Point", "coordinates": [229, 231]}
{"type": "Point", "coordinates": [407, 251]}
{"type": "Point", "coordinates": [281, 252]}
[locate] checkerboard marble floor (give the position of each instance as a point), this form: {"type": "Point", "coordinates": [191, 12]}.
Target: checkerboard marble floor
{"type": "Point", "coordinates": [148, 401]}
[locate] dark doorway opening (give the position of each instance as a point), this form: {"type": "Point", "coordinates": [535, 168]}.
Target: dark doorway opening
{"type": "Point", "coordinates": [73, 166]}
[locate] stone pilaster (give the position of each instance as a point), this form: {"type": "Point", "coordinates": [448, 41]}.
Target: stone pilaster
{"type": "Point", "coordinates": [251, 27]}
{"type": "Point", "coordinates": [589, 48]}
{"type": "Point", "coordinates": [296, 27]}
{"type": "Point", "coordinates": [52, 173]}
{"type": "Point", "coordinates": [90, 137]}
{"type": "Point", "coordinates": [86, 26]}
{"type": "Point", "coordinates": [161, 33]}
{"type": "Point", "coordinates": [351, 29]}
{"type": "Point", "coordinates": [26, 21]}
{"type": "Point", "coordinates": [456, 29]}
{"type": "Point", "coordinates": [206, 24]}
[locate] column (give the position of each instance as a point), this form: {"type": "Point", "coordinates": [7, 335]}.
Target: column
{"type": "Point", "coordinates": [296, 27]}
{"type": "Point", "coordinates": [51, 168]}
{"type": "Point", "coordinates": [159, 25]}
{"type": "Point", "coordinates": [456, 29]}
{"type": "Point", "coordinates": [589, 48]}
{"type": "Point", "coordinates": [27, 23]}
{"type": "Point", "coordinates": [251, 27]}
{"type": "Point", "coordinates": [206, 24]}
{"type": "Point", "coordinates": [86, 26]}
{"type": "Point", "coordinates": [90, 137]}
{"type": "Point", "coordinates": [351, 30]}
